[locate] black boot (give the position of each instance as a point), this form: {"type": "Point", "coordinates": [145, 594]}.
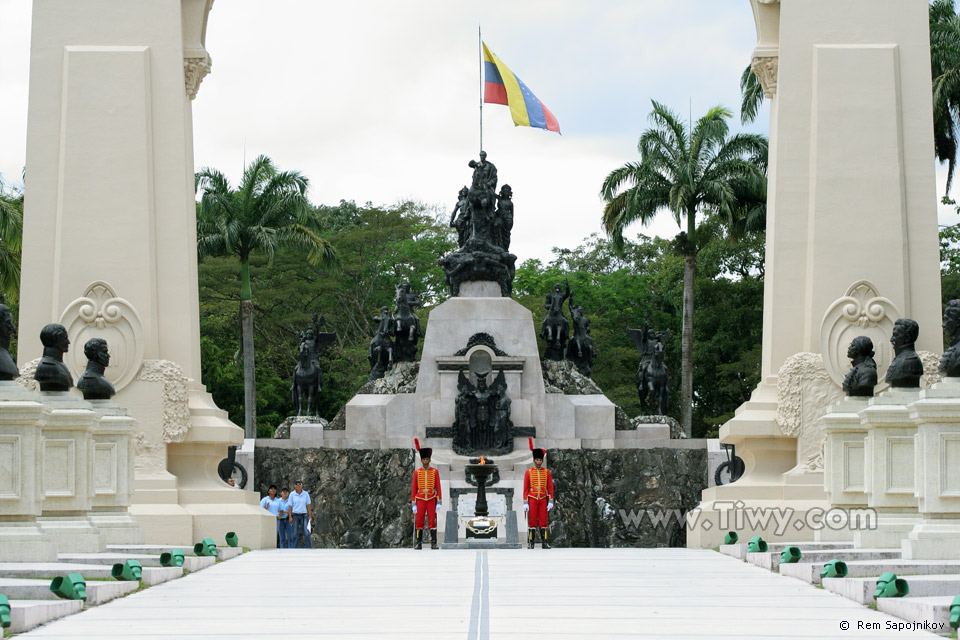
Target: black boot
{"type": "Point", "coordinates": [433, 539]}
{"type": "Point", "coordinates": [530, 538]}
{"type": "Point", "coordinates": [543, 538]}
{"type": "Point", "coordinates": [418, 540]}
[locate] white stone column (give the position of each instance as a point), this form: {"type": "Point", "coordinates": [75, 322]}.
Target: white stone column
{"type": "Point", "coordinates": [937, 415]}
{"type": "Point", "coordinates": [890, 471]}
{"type": "Point", "coordinates": [844, 462]}
{"type": "Point", "coordinates": [109, 238]}
{"type": "Point", "coordinates": [851, 239]}
{"type": "Point", "coordinates": [114, 475]}
{"type": "Point", "coordinates": [68, 472]}
{"type": "Point", "coordinates": [21, 477]}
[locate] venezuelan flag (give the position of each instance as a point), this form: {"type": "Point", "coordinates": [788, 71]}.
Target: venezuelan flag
{"type": "Point", "coordinates": [501, 86]}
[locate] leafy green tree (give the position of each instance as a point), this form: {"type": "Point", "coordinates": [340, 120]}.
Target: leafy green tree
{"type": "Point", "coordinates": [11, 232]}
{"type": "Point", "coordinates": [945, 69]}
{"type": "Point", "coordinates": [268, 210]}
{"type": "Point", "coordinates": [693, 172]}
{"type": "Point", "coordinates": [377, 249]}
{"type": "Point", "coordinates": [751, 96]}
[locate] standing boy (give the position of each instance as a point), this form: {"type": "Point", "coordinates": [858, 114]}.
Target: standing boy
{"type": "Point", "coordinates": [285, 520]}
{"type": "Point", "coordinates": [302, 515]}
{"type": "Point", "coordinates": [538, 498]}
{"type": "Point", "coordinates": [425, 496]}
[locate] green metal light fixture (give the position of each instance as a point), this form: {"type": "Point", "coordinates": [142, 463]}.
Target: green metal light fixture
{"type": "Point", "coordinates": [206, 548]}
{"type": "Point", "coordinates": [756, 545]}
{"type": "Point", "coordinates": [129, 570]}
{"type": "Point", "coordinates": [70, 587]}
{"type": "Point", "coordinates": [834, 569]}
{"type": "Point", "coordinates": [890, 586]}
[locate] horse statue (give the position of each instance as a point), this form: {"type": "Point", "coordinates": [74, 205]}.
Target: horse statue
{"type": "Point", "coordinates": [307, 382]}
{"type": "Point", "coordinates": [581, 350]}
{"type": "Point", "coordinates": [652, 374]}
{"type": "Point", "coordinates": [555, 327]}
{"type": "Point", "coordinates": [406, 325]}
{"type": "Point", "coordinates": [652, 382]}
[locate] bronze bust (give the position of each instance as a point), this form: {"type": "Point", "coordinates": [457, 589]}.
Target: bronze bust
{"type": "Point", "coordinates": [51, 373]}
{"type": "Point", "coordinates": [906, 369]}
{"type": "Point", "coordinates": [862, 377]}
{"type": "Point", "coordinates": [93, 384]}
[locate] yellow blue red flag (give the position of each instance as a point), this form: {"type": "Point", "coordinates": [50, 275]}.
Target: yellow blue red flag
{"type": "Point", "coordinates": [501, 86]}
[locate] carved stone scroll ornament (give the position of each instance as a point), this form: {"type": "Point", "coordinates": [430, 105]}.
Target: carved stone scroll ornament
{"type": "Point", "coordinates": [175, 400]}
{"type": "Point", "coordinates": [862, 311]}
{"type": "Point", "coordinates": [766, 69]}
{"type": "Point", "coordinates": [194, 71]}
{"type": "Point", "coordinates": [100, 313]}
{"type": "Point", "coordinates": [804, 392]}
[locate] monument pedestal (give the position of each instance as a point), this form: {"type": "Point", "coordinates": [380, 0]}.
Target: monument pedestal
{"type": "Point", "coordinates": [773, 484]}
{"type": "Point", "coordinates": [889, 451]}
{"type": "Point", "coordinates": [937, 416]}
{"type": "Point", "coordinates": [844, 463]}
{"type": "Point", "coordinates": [21, 478]}
{"type": "Point", "coordinates": [68, 473]}
{"type": "Point", "coordinates": [114, 475]}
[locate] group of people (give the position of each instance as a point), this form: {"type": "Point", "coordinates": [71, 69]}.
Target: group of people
{"type": "Point", "coordinates": [426, 496]}
{"type": "Point", "coordinates": [293, 512]}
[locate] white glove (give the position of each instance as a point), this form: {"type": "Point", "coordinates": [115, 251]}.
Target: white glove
{"type": "Point", "coordinates": [439, 504]}
{"type": "Point", "coordinates": [549, 505]}
{"type": "Point", "coordinates": [414, 505]}
{"type": "Point", "coordinates": [526, 507]}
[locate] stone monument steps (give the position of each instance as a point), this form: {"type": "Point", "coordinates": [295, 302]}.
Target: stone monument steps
{"type": "Point", "coordinates": [50, 570]}
{"type": "Point", "coordinates": [861, 589]}
{"type": "Point", "coordinates": [223, 553]}
{"type": "Point", "coordinates": [931, 609]}
{"type": "Point", "coordinates": [190, 563]}
{"type": "Point", "coordinates": [810, 571]}
{"type": "Point", "coordinates": [98, 591]}
{"type": "Point", "coordinates": [739, 550]}
{"type": "Point", "coordinates": [30, 614]}
{"type": "Point", "coordinates": [770, 560]}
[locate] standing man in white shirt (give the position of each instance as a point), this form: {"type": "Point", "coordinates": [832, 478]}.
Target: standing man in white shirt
{"type": "Point", "coordinates": [302, 514]}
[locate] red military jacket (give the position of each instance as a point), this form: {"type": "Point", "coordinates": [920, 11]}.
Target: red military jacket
{"type": "Point", "coordinates": [538, 483]}
{"type": "Point", "coordinates": [426, 484]}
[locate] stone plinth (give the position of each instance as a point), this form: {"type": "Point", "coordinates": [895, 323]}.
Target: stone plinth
{"type": "Point", "coordinates": [844, 460]}
{"type": "Point", "coordinates": [68, 472]}
{"type": "Point", "coordinates": [110, 112]}
{"type": "Point", "coordinates": [21, 477]}
{"type": "Point", "coordinates": [937, 454]}
{"type": "Point", "coordinates": [514, 350]}
{"type": "Point", "coordinates": [851, 138]}
{"type": "Point", "coordinates": [113, 475]}
{"type": "Point", "coordinates": [890, 468]}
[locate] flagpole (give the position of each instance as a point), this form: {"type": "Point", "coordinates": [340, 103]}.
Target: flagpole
{"type": "Point", "coordinates": [480, 54]}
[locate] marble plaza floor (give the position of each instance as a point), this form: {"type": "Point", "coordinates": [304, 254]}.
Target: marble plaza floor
{"type": "Point", "coordinates": [476, 595]}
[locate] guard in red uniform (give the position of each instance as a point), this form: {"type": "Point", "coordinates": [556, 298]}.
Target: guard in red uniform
{"type": "Point", "coordinates": [538, 498]}
{"type": "Point", "coordinates": [425, 496]}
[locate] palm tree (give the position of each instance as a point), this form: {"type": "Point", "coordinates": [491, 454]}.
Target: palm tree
{"type": "Point", "coordinates": [751, 96]}
{"type": "Point", "coordinates": [267, 211]}
{"type": "Point", "coordinates": [11, 232]}
{"type": "Point", "coordinates": [945, 69]}
{"type": "Point", "coordinates": [692, 172]}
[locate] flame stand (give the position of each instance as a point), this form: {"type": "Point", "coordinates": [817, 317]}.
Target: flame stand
{"type": "Point", "coordinates": [480, 526]}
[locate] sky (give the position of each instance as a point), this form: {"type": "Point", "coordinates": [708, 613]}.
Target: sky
{"type": "Point", "coordinates": [378, 100]}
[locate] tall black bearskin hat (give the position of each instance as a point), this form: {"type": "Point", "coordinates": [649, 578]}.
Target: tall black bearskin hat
{"type": "Point", "coordinates": [538, 454]}
{"type": "Point", "coordinates": [425, 452]}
